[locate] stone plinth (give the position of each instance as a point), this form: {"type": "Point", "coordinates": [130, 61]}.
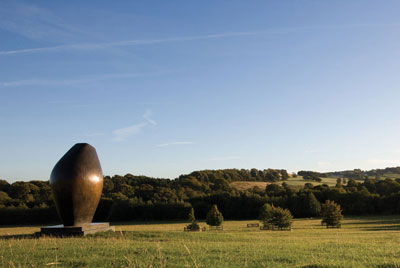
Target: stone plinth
{"type": "Point", "coordinates": [90, 228]}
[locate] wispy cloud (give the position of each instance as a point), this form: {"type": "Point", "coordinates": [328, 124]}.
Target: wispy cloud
{"type": "Point", "coordinates": [75, 81]}
{"type": "Point", "coordinates": [395, 162]}
{"type": "Point", "coordinates": [122, 134]}
{"type": "Point", "coordinates": [224, 158]}
{"type": "Point", "coordinates": [174, 143]}
{"type": "Point", "coordinates": [104, 45]}
{"type": "Point", "coordinates": [147, 116]}
{"type": "Point", "coordinates": [125, 43]}
{"type": "Point", "coordinates": [37, 23]}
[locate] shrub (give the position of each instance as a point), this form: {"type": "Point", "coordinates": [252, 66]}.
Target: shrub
{"type": "Point", "coordinates": [193, 226]}
{"type": "Point", "coordinates": [278, 217]}
{"type": "Point", "coordinates": [331, 214]}
{"type": "Point", "coordinates": [214, 217]}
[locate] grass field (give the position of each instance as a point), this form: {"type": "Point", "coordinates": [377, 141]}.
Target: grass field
{"type": "Point", "coordinates": [296, 182]}
{"type": "Point", "coordinates": [361, 242]}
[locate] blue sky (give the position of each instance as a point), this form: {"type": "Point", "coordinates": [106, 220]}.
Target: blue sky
{"type": "Point", "coordinates": [162, 88]}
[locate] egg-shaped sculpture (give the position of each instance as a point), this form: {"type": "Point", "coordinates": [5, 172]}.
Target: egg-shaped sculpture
{"type": "Point", "coordinates": [77, 182]}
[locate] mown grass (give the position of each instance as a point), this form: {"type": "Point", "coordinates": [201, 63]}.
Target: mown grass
{"type": "Point", "coordinates": [361, 242]}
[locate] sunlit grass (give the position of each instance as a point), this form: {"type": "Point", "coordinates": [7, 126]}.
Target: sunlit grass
{"type": "Point", "coordinates": [361, 242]}
{"type": "Point", "coordinates": [292, 181]}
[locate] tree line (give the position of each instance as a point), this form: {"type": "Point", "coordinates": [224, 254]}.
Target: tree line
{"type": "Point", "coordinates": [132, 197]}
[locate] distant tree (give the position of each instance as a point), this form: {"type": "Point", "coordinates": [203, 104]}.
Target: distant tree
{"type": "Point", "coordinates": [4, 186]}
{"type": "Point", "coordinates": [352, 183]}
{"type": "Point", "coordinates": [266, 213]}
{"type": "Point", "coordinates": [108, 185]}
{"type": "Point", "coordinates": [331, 214]}
{"type": "Point", "coordinates": [284, 174]}
{"type": "Point", "coordinates": [370, 184]}
{"type": "Point", "coordinates": [214, 217]}
{"type": "Point", "coordinates": [313, 205]}
{"type": "Point", "coordinates": [272, 175]}
{"type": "Point", "coordinates": [283, 218]}
{"type": "Point", "coordinates": [4, 198]}
{"type": "Point", "coordinates": [339, 182]}
{"type": "Point", "coordinates": [19, 190]}
{"type": "Point", "coordinates": [308, 185]}
{"type": "Point", "coordinates": [253, 172]}
{"type": "Point", "coordinates": [275, 217]}
{"type": "Point", "coordinates": [191, 216]}
{"type": "Point", "coordinates": [193, 226]}
{"type": "Point", "coordinates": [274, 190]}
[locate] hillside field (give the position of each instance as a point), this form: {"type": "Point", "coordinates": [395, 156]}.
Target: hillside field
{"type": "Point", "coordinates": [292, 181]}
{"type": "Point", "coordinates": [361, 242]}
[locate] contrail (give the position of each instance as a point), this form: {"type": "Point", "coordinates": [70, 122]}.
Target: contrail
{"type": "Point", "coordinates": [91, 46]}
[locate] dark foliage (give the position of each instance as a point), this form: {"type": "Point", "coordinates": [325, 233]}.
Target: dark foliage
{"type": "Point", "coordinates": [275, 217]}
{"type": "Point", "coordinates": [132, 197]}
{"type": "Point", "coordinates": [193, 226]}
{"type": "Point", "coordinates": [331, 214]}
{"type": "Point", "coordinates": [214, 217]}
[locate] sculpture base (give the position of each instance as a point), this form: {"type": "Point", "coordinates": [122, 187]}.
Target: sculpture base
{"type": "Point", "coordinates": [85, 229]}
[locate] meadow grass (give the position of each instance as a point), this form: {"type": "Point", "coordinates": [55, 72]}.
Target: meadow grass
{"type": "Point", "coordinates": [292, 181]}
{"type": "Point", "coordinates": [361, 242]}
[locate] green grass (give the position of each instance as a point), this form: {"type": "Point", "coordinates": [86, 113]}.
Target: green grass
{"type": "Point", "coordinates": [361, 242]}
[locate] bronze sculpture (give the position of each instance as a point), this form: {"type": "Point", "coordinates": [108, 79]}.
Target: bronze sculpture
{"type": "Point", "coordinates": [77, 182]}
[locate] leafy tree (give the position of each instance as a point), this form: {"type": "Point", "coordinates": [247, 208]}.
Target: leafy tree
{"type": "Point", "coordinates": [305, 205]}
{"type": "Point", "coordinates": [272, 175]}
{"type": "Point", "coordinates": [274, 190]}
{"type": "Point", "coordinates": [352, 183]}
{"type": "Point", "coordinates": [275, 216]}
{"type": "Point", "coordinates": [193, 226]}
{"type": "Point", "coordinates": [214, 217]}
{"type": "Point", "coordinates": [331, 214]}
{"type": "Point", "coordinates": [19, 190]}
{"type": "Point", "coordinates": [284, 174]}
{"type": "Point", "coordinates": [4, 186]}
{"type": "Point", "coordinates": [4, 198]}
{"type": "Point", "coordinates": [339, 182]}
{"type": "Point", "coordinates": [108, 185]}
{"type": "Point", "coordinates": [313, 205]}
{"type": "Point", "coordinates": [265, 213]}
{"type": "Point", "coordinates": [283, 218]}
{"type": "Point", "coordinates": [308, 185]}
